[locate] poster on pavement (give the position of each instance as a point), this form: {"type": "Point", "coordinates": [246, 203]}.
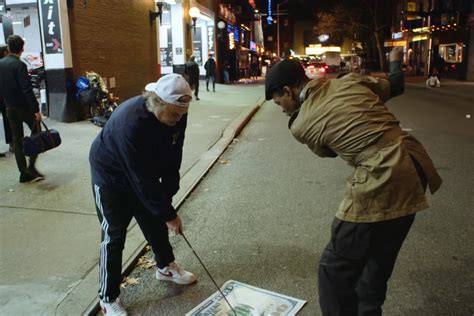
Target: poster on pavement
{"type": "Point", "coordinates": [247, 300]}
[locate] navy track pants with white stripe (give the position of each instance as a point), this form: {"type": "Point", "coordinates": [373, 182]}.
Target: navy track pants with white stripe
{"type": "Point", "coordinates": [115, 210]}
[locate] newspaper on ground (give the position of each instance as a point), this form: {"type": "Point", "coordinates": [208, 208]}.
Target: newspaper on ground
{"type": "Point", "coordinates": [247, 300]}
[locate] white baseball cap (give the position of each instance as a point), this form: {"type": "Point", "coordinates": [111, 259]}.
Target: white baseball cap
{"type": "Point", "coordinates": [170, 88]}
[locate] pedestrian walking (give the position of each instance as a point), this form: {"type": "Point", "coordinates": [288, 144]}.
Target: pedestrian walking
{"type": "Point", "coordinates": [439, 66]}
{"type": "Point", "coordinates": [135, 163]}
{"type": "Point", "coordinates": [347, 117]}
{"type": "Point", "coordinates": [191, 69]}
{"type": "Point", "coordinates": [210, 67]}
{"type": "Point", "coordinates": [342, 65]}
{"type": "Point", "coordinates": [3, 109]}
{"type": "Point", "coordinates": [254, 68]}
{"type": "Point", "coordinates": [21, 105]}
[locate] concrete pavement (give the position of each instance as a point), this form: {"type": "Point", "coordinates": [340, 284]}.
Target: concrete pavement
{"type": "Point", "coordinates": [49, 232]}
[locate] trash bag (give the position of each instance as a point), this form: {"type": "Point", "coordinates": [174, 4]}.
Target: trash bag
{"type": "Point", "coordinates": [82, 83]}
{"type": "Point", "coordinates": [90, 96]}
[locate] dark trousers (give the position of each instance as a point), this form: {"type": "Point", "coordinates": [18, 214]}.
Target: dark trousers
{"type": "Point", "coordinates": [6, 124]}
{"type": "Point", "coordinates": [196, 87]}
{"type": "Point", "coordinates": [115, 210]}
{"type": "Point", "coordinates": [358, 261]}
{"type": "Point", "coordinates": [213, 78]}
{"type": "Point", "coordinates": [16, 118]}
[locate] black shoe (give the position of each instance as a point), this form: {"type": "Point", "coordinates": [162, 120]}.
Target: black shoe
{"type": "Point", "coordinates": [197, 99]}
{"type": "Point", "coordinates": [35, 172]}
{"type": "Point", "coordinates": [2, 155]}
{"type": "Point", "coordinates": [29, 177]}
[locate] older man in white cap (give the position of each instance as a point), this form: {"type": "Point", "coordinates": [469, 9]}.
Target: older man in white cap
{"type": "Point", "coordinates": [135, 163]}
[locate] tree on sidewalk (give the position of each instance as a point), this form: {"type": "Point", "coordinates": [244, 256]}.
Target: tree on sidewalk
{"type": "Point", "coordinates": [358, 20]}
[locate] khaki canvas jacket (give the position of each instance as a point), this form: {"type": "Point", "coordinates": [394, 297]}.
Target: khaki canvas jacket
{"type": "Point", "coordinates": [347, 117]}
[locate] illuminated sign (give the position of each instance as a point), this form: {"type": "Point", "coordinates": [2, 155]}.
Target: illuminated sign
{"type": "Point", "coordinates": [397, 35]}
{"type": "Point", "coordinates": [231, 41]}
{"type": "Point", "coordinates": [323, 38]}
{"type": "Point", "coordinates": [318, 49]}
{"type": "Point", "coordinates": [230, 31]}
{"type": "Point", "coordinates": [210, 39]}
{"type": "Point", "coordinates": [395, 43]}
{"type": "Point", "coordinates": [236, 33]}
{"type": "Point", "coordinates": [269, 16]}
{"type": "Point", "coordinates": [419, 38]}
{"type": "Point", "coordinates": [253, 46]}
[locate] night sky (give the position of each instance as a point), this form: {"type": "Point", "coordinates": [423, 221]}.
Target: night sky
{"type": "Point", "coordinates": [300, 9]}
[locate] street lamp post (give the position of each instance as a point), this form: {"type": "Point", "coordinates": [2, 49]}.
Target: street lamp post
{"type": "Point", "coordinates": [278, 26]}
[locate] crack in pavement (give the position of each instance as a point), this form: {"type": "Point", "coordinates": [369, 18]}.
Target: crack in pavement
{"type": "Point", "coordinates": [46, 210]}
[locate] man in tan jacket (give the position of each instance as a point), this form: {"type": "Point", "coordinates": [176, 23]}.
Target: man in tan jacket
{"type": "Point", "coordinates": [347, 117]}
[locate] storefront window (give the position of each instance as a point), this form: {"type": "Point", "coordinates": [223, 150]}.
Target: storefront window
{"type": "Point", "coordinates": [166, 39]}
{"type": "Point", "coordinates": [451, 53]}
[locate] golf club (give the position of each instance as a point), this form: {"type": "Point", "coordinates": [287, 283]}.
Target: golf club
{"type": "Point", "coordinates": [218, 288]}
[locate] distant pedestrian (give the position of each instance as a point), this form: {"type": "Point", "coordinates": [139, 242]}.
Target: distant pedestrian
{"type": "Point", "coordinates": [21, 105]}
{"type": "Point", "coordinates": [210, 67]}
{"type": "Point", "coordinates": [254, 68]}
{"type": "Point", "coordinates": [439, 66]}
{"type": "Point", "coordinates": [342, 65]}
{"type": "Point", "coordinates": [135, 163]}
{"type": "Point", "coordinates": [225, 71]}
{"type": "Point", "coordinates": [3, 109]}
{"type": "Point", "coordinates": [191, 69]}
{"type": "Point", "coordinates": [347, 117]}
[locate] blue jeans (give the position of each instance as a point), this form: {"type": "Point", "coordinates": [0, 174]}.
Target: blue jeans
{"type": "Point", "coordinates": [213, 78]}
{"type": "Point", "coordinates": [226, 76]}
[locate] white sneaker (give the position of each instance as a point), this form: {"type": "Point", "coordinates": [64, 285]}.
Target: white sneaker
{"type": "Point", "coordinates": [174, 273]}
{"type": "Point", "coordinates": [113, 309]}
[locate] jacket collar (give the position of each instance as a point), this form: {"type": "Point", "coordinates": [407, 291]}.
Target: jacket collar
{"type": "Point", "coordinates": [309, 87]}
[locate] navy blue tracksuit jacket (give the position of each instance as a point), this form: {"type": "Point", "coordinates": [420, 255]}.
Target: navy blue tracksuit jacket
{"type": "Point", "coordinates": [136, 152]}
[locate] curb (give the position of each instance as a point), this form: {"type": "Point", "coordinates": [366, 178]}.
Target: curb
{"type": "Point", "coordinates": [135, 245]}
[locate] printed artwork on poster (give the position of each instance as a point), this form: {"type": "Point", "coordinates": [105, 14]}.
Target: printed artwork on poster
{"type": "Point", "coordinates": [197, 46]}
{"type": "Point", "coordinates": [210, 39]}
{"type": "Point", "coordinates": [166, 48]}
{"type": "Point", "coordinates": [247, 300]}
{"type": "Point", "coordinates": [51, 26]}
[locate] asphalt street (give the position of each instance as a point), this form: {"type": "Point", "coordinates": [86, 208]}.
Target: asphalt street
{"type": "Point", "coordinates": [262, 216]}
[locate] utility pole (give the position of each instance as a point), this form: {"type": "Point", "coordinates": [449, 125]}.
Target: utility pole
{"type": "Point", "coordinates": [278, 26]}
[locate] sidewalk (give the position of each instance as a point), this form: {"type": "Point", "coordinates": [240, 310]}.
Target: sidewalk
{"type": "Point", "coordinates": [49, 230]}
{"type": "Point", "coordinates": [449, 87]}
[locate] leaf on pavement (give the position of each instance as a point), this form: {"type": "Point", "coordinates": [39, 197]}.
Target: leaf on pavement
{"type": "Point", "coordinates": [223, 161]}
{"type": "Point", "coordinates": [146, 262]}
{"type": "Point", "coordinates": [129, 281]}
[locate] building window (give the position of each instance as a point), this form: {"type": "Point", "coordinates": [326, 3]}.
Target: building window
{"type": "Point", "coordinates": [451, 53]}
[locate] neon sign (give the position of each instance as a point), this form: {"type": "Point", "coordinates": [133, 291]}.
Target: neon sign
{"type": "Point", "coordinates": [269, 16]}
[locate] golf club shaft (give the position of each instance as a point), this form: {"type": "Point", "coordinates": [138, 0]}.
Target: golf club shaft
{"type": "Point", "coordinates": [217, 286]}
